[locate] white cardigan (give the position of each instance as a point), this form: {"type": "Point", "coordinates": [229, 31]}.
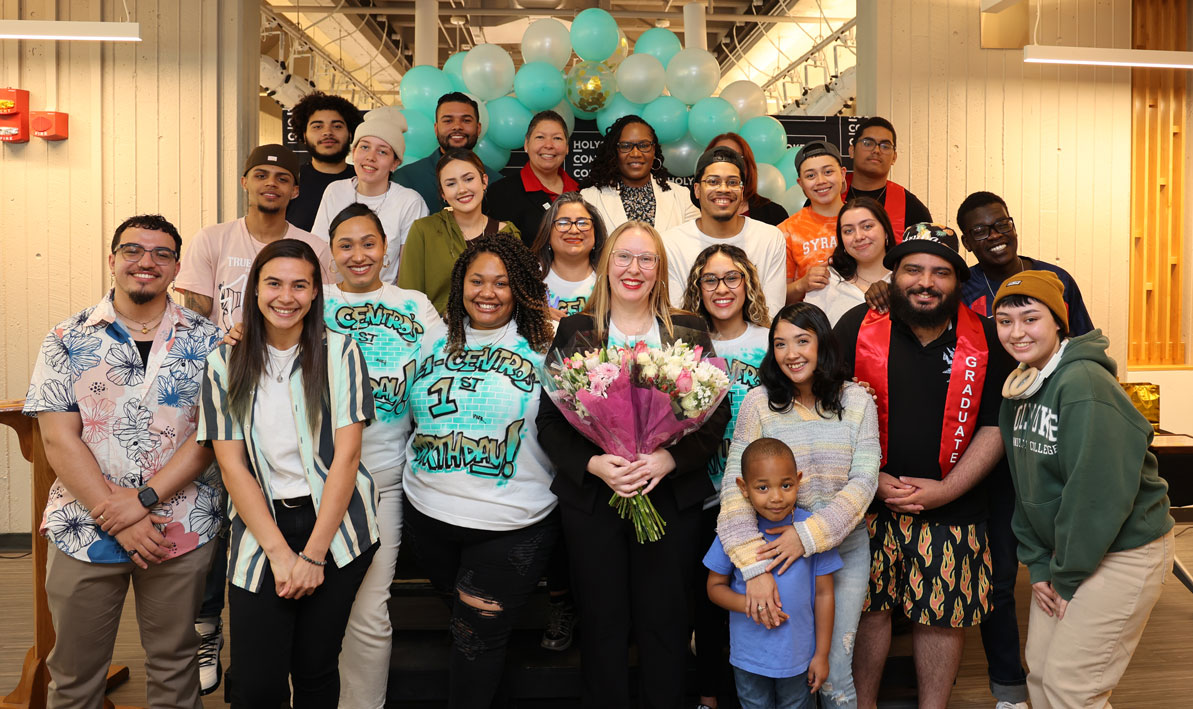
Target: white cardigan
{"type": "Point", "coordinates": [672, 208]}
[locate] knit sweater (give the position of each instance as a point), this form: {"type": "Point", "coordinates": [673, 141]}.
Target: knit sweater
{"type": "Point", "coordinates": [839, 461]}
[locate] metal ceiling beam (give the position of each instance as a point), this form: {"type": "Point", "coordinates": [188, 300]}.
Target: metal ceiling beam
{"type": "Point", "coordinates": [836, 35]}
{"type": "Point", "coordinates": [295, 31]}
{"type": "Point", "coordinates": [674, 17]}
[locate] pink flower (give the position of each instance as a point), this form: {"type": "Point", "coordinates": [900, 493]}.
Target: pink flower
{"type": "Point", "coordinates": [684, 382]}
{"type": "Point", "coordinates": [97, 418]}
{"type": "Point", "coordinates": [697, 351]}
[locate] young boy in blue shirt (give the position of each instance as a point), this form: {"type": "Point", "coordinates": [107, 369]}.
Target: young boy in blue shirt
{"type": "Point", "coordinates": [776, 668]}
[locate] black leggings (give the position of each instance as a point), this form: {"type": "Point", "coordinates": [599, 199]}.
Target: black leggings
{"type": "Point", "coordinates": [276, 641]}
{"type": "Point", "coordinates": [498, 569]}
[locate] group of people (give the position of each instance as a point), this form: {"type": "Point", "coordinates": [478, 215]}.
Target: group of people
{"type": "Point", "coordinates": [326, 394]}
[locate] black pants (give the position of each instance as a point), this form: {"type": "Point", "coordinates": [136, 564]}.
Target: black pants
{"type": "Point", "coordinates": [278, 641]}
{"type": "Point", "coordinates": [621, 584]}
{"type": "Point", "coordinates": [714, 676]}
{"type": "Point", "coordinates": [501, 569]}
{"type": "Point", "coordinates": [1000, 629]}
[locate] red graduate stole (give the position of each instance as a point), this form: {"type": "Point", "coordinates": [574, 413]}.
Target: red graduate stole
{"type": "Point", "coordinates": [965, 380]}
{"type": "Point", "coordinates": [895, 204]}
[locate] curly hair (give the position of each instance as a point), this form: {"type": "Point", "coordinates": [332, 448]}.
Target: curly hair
{"type": "Point", "coordinates": [530, 293]}
{"type": "Point", "coordinates": [149, 222]}
{"type": "Point", "coordinates": [829, 377]}
{"type": "Point", "coordinates": [754, 311]}
{"type": "Point", "coordinates": [842, 262]}
{"type": "Point", "coordinates": [301, 114]}
{"type": "Point", "coordinates": [605, 170]}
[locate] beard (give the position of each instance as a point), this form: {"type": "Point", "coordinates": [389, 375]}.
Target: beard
{"type": "Point", "coordinates": [331, 158]}
{"type": "Point", "coordinates": [141, 296]}
{"type": "Point", "coordinates": [268, 210]}
{"type": "Point", "coordinates": [445, 145]}
{"type": "Point", "coordinates": [902, 308]}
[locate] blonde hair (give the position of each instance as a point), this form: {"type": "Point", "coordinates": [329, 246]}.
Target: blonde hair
{"type": "Point", "coordinates": [754, 312]}
{"type": "Point", "coordinates": [600, 300]}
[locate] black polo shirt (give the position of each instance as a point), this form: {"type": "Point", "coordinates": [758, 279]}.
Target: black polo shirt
{"type": "Point", "coordinates": [918, 384]}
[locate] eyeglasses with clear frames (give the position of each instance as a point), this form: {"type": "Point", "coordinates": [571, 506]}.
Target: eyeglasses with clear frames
{"type": "Point", "coordinates": [565, 224]}
{"type": "Point", "coordinates": [981, 232]}
{"type": "Point", "coordinates": [729, 183]}
{"type": "Point", "coordinates": [647, 261]}
{"type": "Point", "coordinates": [643, 146]}
{"type": "Point", "coordinates": [133, 252]}
{"type": "Point", "coordinates": [885, 146]}
{"type": "Point", "coordinates": [732, 280]}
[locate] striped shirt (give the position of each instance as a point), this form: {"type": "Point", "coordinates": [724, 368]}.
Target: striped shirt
{"type": "Point", "coordinates": [351, 399]}
{"type": "Point", "coordinates": [838, 459]}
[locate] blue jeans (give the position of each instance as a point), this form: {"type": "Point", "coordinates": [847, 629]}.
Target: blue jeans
{"type": "Point", "coordinates": [758, 692]}
{"type": "Point", "coordinates": [849, 593]}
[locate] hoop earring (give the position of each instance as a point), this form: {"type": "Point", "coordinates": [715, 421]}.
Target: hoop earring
{"type": "Point", "coordinates": [657, 164]}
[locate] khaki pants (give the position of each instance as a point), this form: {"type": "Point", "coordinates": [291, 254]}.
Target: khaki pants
{"type": "Point", "coordinates": [86, 601]}
{"type": "Point", "coordinates": [1078, 661]}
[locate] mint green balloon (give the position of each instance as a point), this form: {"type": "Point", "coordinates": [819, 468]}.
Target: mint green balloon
{"type": "Point", "coordinates": [659, 42]}
{"type": "Point", "coordinates": [422, 86]}
{"type": "Point", "coordinates": [594, 35]}
{"type": "Point", "coordinates": [669, 118]}
{"type": "Point", "coordinates": [508, 121]}
{"type": "Point", "coordinates": [420, 135]}
{"type": "Point", "coordinates": [454, 68]}
{"type": "Point", "coordinates": [710, 117]}
{"type": "Point", "coordinates": [492, 155]}
{"type": "Point", "coordinates": [767, 138]}
{"type": "Point", "coordinates": [539, 86]}
{"type": "Point", "coordinates": [786, 165]}
{"type": "Point", "coordinates": [617, 107]}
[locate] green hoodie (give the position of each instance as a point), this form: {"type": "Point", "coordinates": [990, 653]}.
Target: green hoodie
{"type": "Point", "coordinates": [1085, 482]}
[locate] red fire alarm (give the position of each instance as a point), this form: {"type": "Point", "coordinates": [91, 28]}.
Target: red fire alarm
{"type": "Point", "coordinates": [51, 125]}
{"type": "Point", "coordinates": [14, 116]}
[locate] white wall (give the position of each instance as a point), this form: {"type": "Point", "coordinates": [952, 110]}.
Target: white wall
{"type": "Point", "coordinates": [162, 125]}
{"type": "Point", "coordinates": [1054, 142]}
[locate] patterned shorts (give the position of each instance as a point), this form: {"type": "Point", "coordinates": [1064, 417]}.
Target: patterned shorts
{"type": "Point", "coordinates": [939, 574]}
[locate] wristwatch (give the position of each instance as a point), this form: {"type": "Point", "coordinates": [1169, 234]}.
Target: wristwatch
{"type": "Point", "coordinates": [147, 496]}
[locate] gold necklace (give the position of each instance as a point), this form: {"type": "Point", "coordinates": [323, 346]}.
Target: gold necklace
{"type": "Point", "coordinates": [144, 324]}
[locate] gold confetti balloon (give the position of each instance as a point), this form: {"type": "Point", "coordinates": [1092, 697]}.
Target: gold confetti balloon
{"type": "Point", "coordinates": [590, 85]}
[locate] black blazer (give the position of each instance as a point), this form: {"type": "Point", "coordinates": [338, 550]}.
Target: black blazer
{"type": "Point", "coordinates": [509, 201]}
{"type": "Point", "coordinates": [569, 450]}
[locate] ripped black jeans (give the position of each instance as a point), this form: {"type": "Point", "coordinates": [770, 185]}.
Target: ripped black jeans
{"type": "Point", "coordinates": [485, 577]}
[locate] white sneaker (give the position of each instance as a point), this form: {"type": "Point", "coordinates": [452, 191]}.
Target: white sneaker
{"type": "Point", "coordinates": [211, 641]}
{"type": "Point", "coordinates": [1012, 705]}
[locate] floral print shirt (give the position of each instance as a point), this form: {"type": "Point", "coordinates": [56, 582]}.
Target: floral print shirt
{"type": "Point", "coordinates": [638, 202]}
{"type": "Point", "coordinates": [135, 416]}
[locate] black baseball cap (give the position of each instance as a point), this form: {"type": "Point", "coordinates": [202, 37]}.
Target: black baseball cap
{"type": "Point", "coordinates": [815, 149]}
{"type": "Point", "coordinates": [272, 154]}
{"type": "Point", "coordinates": [928, 238]}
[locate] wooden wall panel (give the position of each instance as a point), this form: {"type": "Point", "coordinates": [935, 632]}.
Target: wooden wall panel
{"type": "Point", "coordinates": [1054, 142]}
{"type": "Point", "coordinates": [1159, 114]}
{"type": "Point", "coordinates": [156, 126]}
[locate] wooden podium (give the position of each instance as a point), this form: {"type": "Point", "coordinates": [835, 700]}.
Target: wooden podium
{"type": "Point", "coordinates": [30, 692]}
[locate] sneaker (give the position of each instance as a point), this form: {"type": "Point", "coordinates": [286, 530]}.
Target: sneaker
{"type": "Point", "coordinates": [561, 627]}
{"type": "Point", "coordinates": [1012, 705]}
{"type": "Point", "coordinates": [211, 641]}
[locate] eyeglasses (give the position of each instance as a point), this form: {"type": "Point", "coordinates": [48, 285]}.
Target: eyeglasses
{"type": "Point", "coordinates": [730, 183]}
{"type": "Point", "coordinates": [732, 280]}
{"type": "Point", "coordinates": [133, 253]}
{"type": "Point", "coordinates": [981, 232]}
{"type": "Point", "coordinates": [885, 146]}
{"type": "Point", "coordinates": [643, 146]}
{"type": "Point", "coordinates": [581, 224]}
{"type": "Point", "coordinates": [646, 260]}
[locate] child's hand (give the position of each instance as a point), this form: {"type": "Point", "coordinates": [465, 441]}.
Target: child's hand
{"type": "Point", "coordinates": [817, 671]}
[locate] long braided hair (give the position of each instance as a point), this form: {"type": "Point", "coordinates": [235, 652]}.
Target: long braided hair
{"type": "Point", "coordinates": [605, 171]}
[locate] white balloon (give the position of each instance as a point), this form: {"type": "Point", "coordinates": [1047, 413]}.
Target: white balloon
{"type": "Point", "coordinates": [640, 78]}
{"type": "Point", "coordinates": [747, 98]}
{"type": "Point", "coordinates": [564, 109]}
{"type": "Point", "coordinates": [793, 199]}
{"type": "Point", "coordinates": [547, 40]}
{"type": "Point", "coordinates": [771, 183]}
{"type": "Point", "coordinates": [680, 157]}
{"type": "Point", "coordinates": [693, 74]}
{"type": "Point", "coordinates": [488, 71]}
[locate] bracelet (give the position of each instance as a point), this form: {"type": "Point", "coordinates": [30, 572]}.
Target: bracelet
{"type": "Point", "coordinates": [309, 560]}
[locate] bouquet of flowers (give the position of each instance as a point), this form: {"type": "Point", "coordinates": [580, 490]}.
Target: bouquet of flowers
{"type": "Point", "coordinates": [634, 400]}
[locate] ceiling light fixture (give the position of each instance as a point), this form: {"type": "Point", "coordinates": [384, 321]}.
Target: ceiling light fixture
{"type": "Point", "coordinates": [1096, 56]}
{"type": "Point", "coordinates": [71, 30]}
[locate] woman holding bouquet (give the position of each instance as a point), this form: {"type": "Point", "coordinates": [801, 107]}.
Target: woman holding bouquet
{"type": "Point", "coordinates": [725, 289]}
{"type": "Point", "coordinates": [831, 425]}
{"type": "Point", "coordinates": [479, 508]}
{"type": "Point", "coordinates": [621, 583]}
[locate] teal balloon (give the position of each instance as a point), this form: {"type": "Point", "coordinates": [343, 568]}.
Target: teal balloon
{"type": "Point", "coordinates": [492, 155]}
{"type": "Point", "coordinates": [669, 118]}
{"type": "Point", "coordinates": [594, 35]}
{"type": "Point", "coordinates": [539, 86]}
{"type": "Point", "coordinates": [454, 68]}
{"type": "Point", "coordinates": [659, 42]}
{"type": "Point", "coordinates": [420, 135]}
{"type": "Point", "coordinates": [508, 121]}
{"type": "Point", "coordinates": [680, 156]}
{"type": "Point", "coordinates": [617, 107]}
{"type": "Point", "coordinates": [786, 165]}
{"type": "Point", "coordinates": [710, 117]}
{"type": "Point", "coordinates": [422, 86]}
{"type": "Point", "coordinates": [586, 115]}
{"type": "Point", "coordinates": [767, 138]}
